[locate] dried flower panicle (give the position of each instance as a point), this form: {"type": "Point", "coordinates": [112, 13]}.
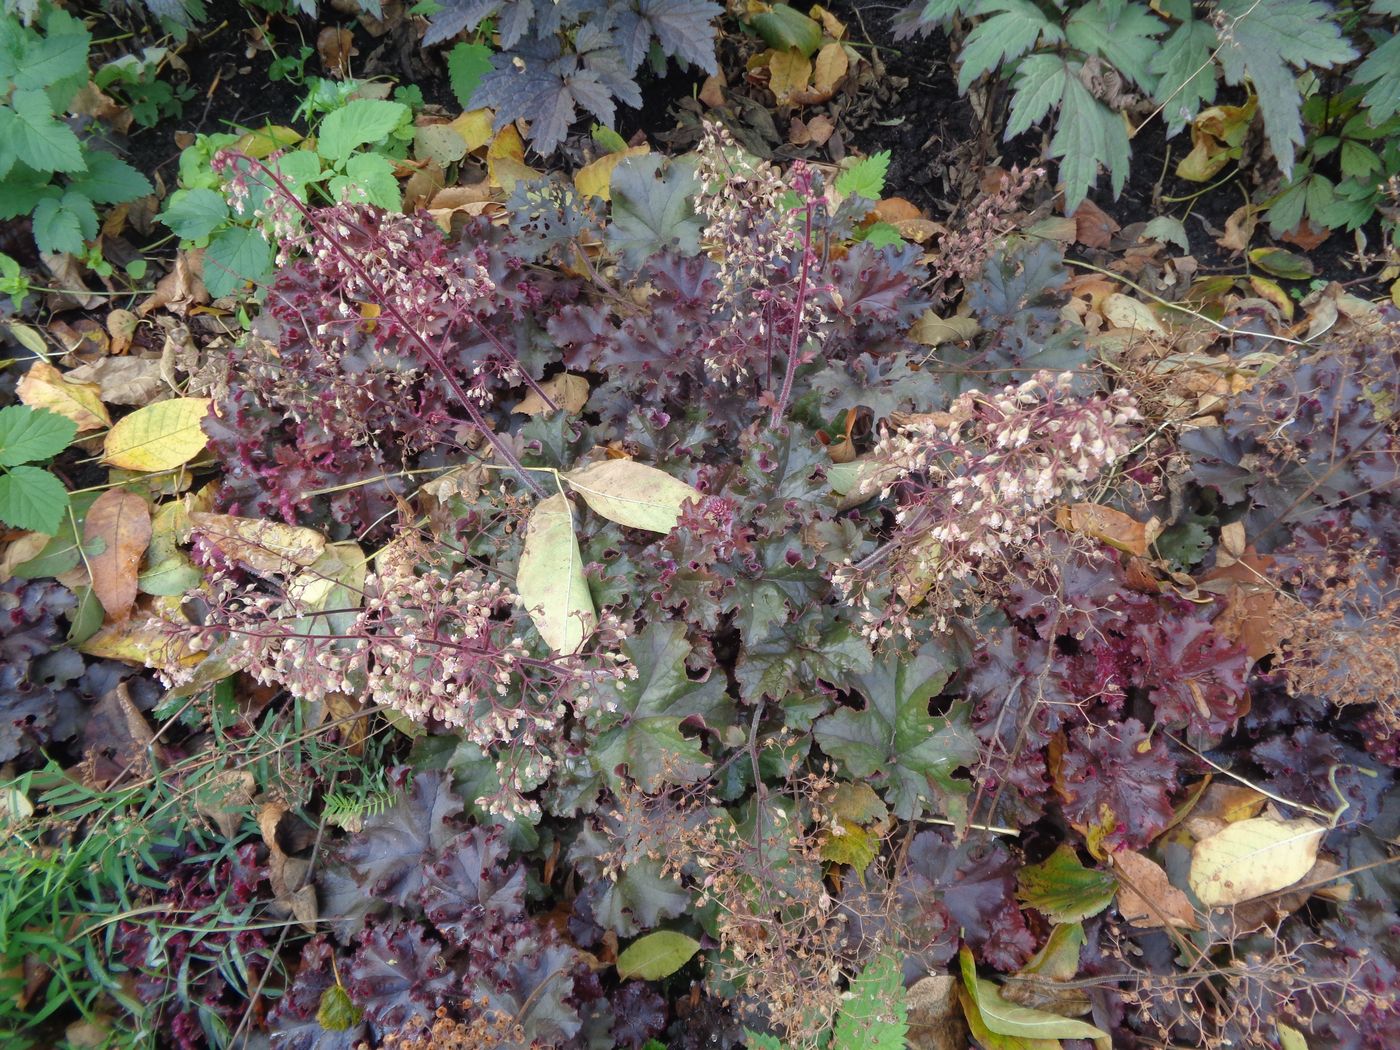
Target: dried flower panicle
{"type": "Point", "coordinates": [975, 484]}
{"type": "Point", "coordinates": [963, 252]}
{"type": "Point", "coordinates": [768, 265]}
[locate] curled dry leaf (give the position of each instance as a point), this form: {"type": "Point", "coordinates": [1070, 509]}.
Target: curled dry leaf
{"type": "Point", "coordinates": [336, 46]}
{"type": "Point", "coordinates": [263, 546]}
{"type": "Point", "coordinates": [550, 580]}
{"type": "Point", "coordinates": [44, 386]}
{"type": "Point", "coordinates": [122, 380]}
{"type": "Point", "coordinates": [1108, 525]}
{"type": "Point", "coordinates": [1146, 898]}
{"type": "Point", "coordinates": [632, 493]}
{"type": "Point", "coordinates": [121, 329]}
{"type": "Point", "coordinates": [1253, 857]}
{"type": "Point", "coordinates": [566, 390]}
{"type": "Point", "coordinates": [121, 520]}
{"type": "Point", "coordinates": [935, 1022]}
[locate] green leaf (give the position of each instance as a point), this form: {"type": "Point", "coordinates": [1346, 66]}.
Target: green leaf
{"type": "Point", "coordinates": [1359, 161]}
{"type": "Point", "coordinates": [1185, 65]}
{"type": "Point", "coordinates": [110, 180]}
{"type": "Point", "coordinates": [372, 177]}
{"type": "Point", "coordinates": [1063, 889]}
{"type": "Point", "coordinates": [37, 137]}
{"type": "Point", "coordinates": [64, 224]}
{"type": "Point", "coordinates": [1006, 1018]}
{"type": "Point", "coordinates": [1088, 134]}
{"type": "Point", "coordinates": [235, 255]}
{"type": "Point", "coordinates": [1168, 230]}
{"type": "Point", "coordinates": [895, 739]}
{"type": "Point", "coordinates": [783, 28]}
{"type": "Point", "coordinates": [22, 189]}
{"type": "Point", "coordinates": [195, 214]}
{"type": "Point", "coordinates": [865, 178]}
{"type": "Point", "coordinates": [643, 735]}
{"type": "Point", "coordinates": [1124, 37]}
{"type": "Point", "coordinates": [335, 1012]}
{"type": "Point", "coordinates": [1013, 29]}
{"type": "Point", "coordinates": [1039, 84]}
{"type": "Point", "coordinates": [652, 209]}
{"type": "Point", "coordinates": [299, 169]}
{"type": "Point", "coordinates": [86, 618]}
{"type": "Point", "coordinates": [656, 955]}
{"type": "Point", "coordinates": [357, 124]}
{"type": "Point", "coordinates": [466, 65]}
{"type": "Point", "coordinates": [633, 494]}
{"type": "Point", "coordinates": [759, 1041]}
{"type": "Point", "coordinates": [32, 499]}
{"type": "Point", "coordinates": [1381, 70]}
{"type": "Point", "coordinates": [882, 235]}
{"type": "Point", "coordinates": [1279, 262]}
{"type": "Point", "coordinates": [31, 434]}
{"type": "Point", "coordinates": [1260, 41]}
{"type": "Point", "coordinates": [875, 1017]}
{"type": "Point", "coordinates": [39, 61]}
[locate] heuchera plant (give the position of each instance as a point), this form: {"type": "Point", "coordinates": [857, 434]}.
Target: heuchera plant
{"type": "Point", "coordinates": [760, 661]}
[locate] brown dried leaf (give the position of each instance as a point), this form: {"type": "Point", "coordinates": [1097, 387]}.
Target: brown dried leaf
{"type": "Point", "coordinates": [830, 68]}
{"type": "Point", "coordinates": [935, 1014]}
{"type": "Point", "coordinates": [1111, 526]}
{"type": "Point", "coordinates": [1146, 898]}
{"type": "Point", "coordinates": [1093, 227]}
{"type": "Point", "coordinates": [566, 390]}
{"type": "Point", "coordinates": [1239, 228]}
{"type": "Point", "coordinates": [180, 289]}
{"type": "Point", "coordinates": [121, 328]}
{"type": "Point", "coordinates": [122, 521]}
{"type": "Point", "coordinates": [336, 47]}
{"type": "Point", "coordinates": [224, 798]}
{"type": "Point", "coordinates": [122, 380]}
{"type": "Point", "coordinates": [264, 546]}
{"type": "Point", "coordinates": [44, 386]}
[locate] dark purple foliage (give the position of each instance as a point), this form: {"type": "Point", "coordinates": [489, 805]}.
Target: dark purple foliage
{"type": "Point", "coordinates": [398, 976]}
{"type": "Point", "coordinates": [1117, 780]}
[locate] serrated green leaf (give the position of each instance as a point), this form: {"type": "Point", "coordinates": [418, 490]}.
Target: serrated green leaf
{"type": "Point", "coordinates": [38, 138]}
{"type": "Point", "coordinates": [875, 1016]}
{"type": "Point", "coordinates": [370, 176]}
{"type": "Point", "coordinates": [1063, 889]}
{"type": "Point", "coordinates": [39, 61]}
{"type": "Point", "coordinates": [643, 734]}
{"type": "Point", "coordinates": [1013, 29]}
{"type": "Point", "coordinates": [61, 228]}
{"type": "Point", "coordinates": [1185, 67]}
{"type": "Point", "coordinates": [894, 738]}
{"type": "Point", "coordinates": [194, 214]}
{"type": "Point", "coordinates": [652, 209]}
{"type": "Point", "coordinates": [235, 256]}
{"type": "Point", "coordinates": [1381, 70]}
{"type": "Point", "coordinates": [1039, 86]}
{"type": "Point", "coordinates": [1261, 41]}
{"type": "Point", "coordinates": [32, 499]}
{"type": "Point", "coordinates": [110, 180]}
{"type": "Point", "coordinates": [1088, 134]}
{"type": "Point", "coordinates": [357, 124]}
{"type": "Point", "coordinates": [28, 435]}
{"type": "Point", "coordinates": [867, 177]}
{"type": "Point", "coordinates": [760, 1041]}
{"type": "Point", "coordinates": [656, 955]}
{"type": "Point", "coordinates": [466, 65]}
{"type": "Point", "coordinates": [1124, 37]}
{"type": "Point", "coordinates": [1168, 230]}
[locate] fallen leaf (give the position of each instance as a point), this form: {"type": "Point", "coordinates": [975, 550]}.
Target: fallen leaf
{"type": "Point", "coordinates": [121, 328]}
{"type": "Point", "coordinates": [1007, 1018]}
{"type": "Point", "coordinates": [829, 69]}
{"type": "Point", "coordinates": [1146, 898]}
{"type": "Point", "coordinates": [1239, 229]}
{"type": "Point", "coordinates": [264, 546]}
{"type": "Point", "coordinates": [121, 520]}
{"type": "Point", "coordinates": [656, 955]}
{"type": "Point", "coordinates": [1093, 227]}
{"type": "Point", "coordinates": [595, 179]}
{"type": "Point", "coordinates": [475, 127]}
{"type": "Point", "coordinates": [122, 380]}
{"type": "Point", "coordinates": [550, 580]}
{"type": "Point", "coordinates": [1111, 526]}
{"type": "Point", "coordinates": [180, 289]}
{"type": "Point", "coordinates": [1250, 858]}
{"type": "Point", "coordinates": [568, 391]}
{"type": "Point", "coordinates": [712, 91]}
{"type": "Point", "coordinates": [336, 47]}
{"type": "Point", "coordinates": [1306, 236]}
{"type": "Point", "coordinates": [932, 330]}
{"type": "Point", "coordinates": [789, 73]}
{"type": "Point", "coordinates": [224, 798]}
{"type": "Point", "coordinates": [44, 386]}
{"type": "Point", "coordinates": [158, 437]}
{"type": "Point", "coordinates": [1123, 311]}
{"type": "Point", "coordinates": [632, 493]}
{"type": "Point", "coordinates": [441, 144]}
{"type": "Point", "coordinates": [935, 1022]}
{"type": "Point", "coordinates": [1270, 292]}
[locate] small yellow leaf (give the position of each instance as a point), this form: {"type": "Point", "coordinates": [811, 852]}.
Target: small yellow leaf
{"type": "Point", "coordinates": [1270, 291]}
{"type": "Point", "coordinates": [159, 436]}
{"type": "Point", "coordinates": [505, 160]}
{"type": "Point", "coordinates": [1123, 311]}
{"type": "Point", "coordinates": [267, 140]}
{"type": "Point", "coordinates": [831, 66]}
{"type": "Point", "coordinates": [789, 72]}
{"type": "Point", "coordinates": [595, 179]}
{"type": "Point", "coordinates": [44, 386]}
{"type": "Point", "coordinates": [146, 643]}
{"type": "Point", "coordinates": [475, 127]}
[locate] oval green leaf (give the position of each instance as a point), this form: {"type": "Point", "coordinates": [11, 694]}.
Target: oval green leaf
{"type": "Point", "coordinates": [656, 955]}
{"type": "Point", "coordinates": [1006, 1018]}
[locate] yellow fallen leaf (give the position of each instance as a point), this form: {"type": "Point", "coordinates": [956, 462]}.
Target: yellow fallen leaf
{"type": "Point", "coordinates": [1253, 857]}
{"type": "Point", "coordinates": [159, 436]}
{"type": "Point", "coordinates": [44, 386]}
{"type": "Point", "coordinates": [264, 546]}
{"type": "Point", "coordinates": [831, 66]}
{"type": "Point", "coordinates": [550, 579]}
{"type": "Point", "coordinates": [566, 390]}
{"type": "Point", "coordinates": [505, 160]}
{"type": "Point", "coordinates": [475, 127]}
{"type": "Point", "coordinates": [789, 72]}
{"type": "Point", "coordinates": [267, 140]}
{"type": "Point", "coordinates": [1123, 311]}
{"type": "Point", "coordinates": [146, 643]}
{"type": "Point", "coordinates": [595, 179]}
